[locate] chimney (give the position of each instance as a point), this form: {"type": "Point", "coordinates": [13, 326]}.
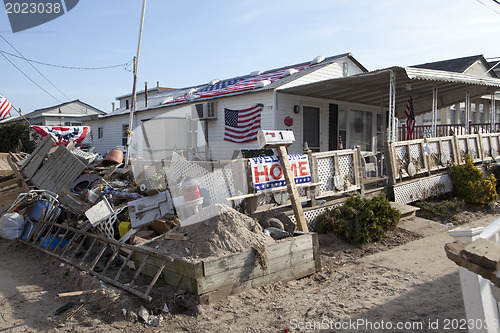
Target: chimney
{"type": "Point", "coordinates": [157, 84]}
{"type": "Point", "coordinates": [112, 106]}
{"type": "Point", "coordinates": [145, 94]}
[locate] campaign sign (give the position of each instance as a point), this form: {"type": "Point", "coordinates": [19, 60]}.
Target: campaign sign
{"type": "Point", "coordinates": [267, 172]}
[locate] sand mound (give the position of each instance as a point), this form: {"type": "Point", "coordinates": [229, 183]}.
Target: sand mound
{"type": "Point", "coordinates": [222, 231]}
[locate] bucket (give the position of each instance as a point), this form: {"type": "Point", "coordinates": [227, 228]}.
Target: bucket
{"type": "Point", "coordinates": [190, 189]}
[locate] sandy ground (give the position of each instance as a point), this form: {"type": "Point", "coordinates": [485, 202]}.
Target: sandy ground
{"type": "Point", "coordinates": [412, 284]}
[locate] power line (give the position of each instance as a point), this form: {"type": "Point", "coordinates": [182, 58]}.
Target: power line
{"type": "Point", "coordinates": [489, 7]}
{"type": "Point", "coordinates": [124, 65]}
{"type": "Point", "coordinates": [31, 79]}
{"type": "Point", "coordinates": [53, 85]}
{"type": "Point", "coordinates": [496, 1]}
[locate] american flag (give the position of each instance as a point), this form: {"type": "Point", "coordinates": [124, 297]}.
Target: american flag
{"type": "Point", "coordinates": [410, 120]}
{"type": "Point", "coordinates": [242, 125]}
{"type": "Point", "coordinates": [237, 84]}
{"type": "Point", "coordinates": [5, 107]}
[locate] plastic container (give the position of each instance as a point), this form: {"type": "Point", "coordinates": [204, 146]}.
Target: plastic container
{"type": "Point", "coordinates": [190, 189]}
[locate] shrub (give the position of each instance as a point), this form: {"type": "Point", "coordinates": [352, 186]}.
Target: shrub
{"type": "Point", "coordinates": [360, 220]}
{"type": "Point", "coordinates": [15, 137]}
{"type": "Point", "coordinates": [443, 210]}
{"type": "Point", "coordinates": [471, 185]}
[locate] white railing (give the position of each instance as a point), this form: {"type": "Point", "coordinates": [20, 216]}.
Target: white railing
{"type": "Point", "coordinates": [478, 293]}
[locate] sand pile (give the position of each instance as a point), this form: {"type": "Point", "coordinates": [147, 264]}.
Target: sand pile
{"type": "Point", "coordinates": [222, 231]}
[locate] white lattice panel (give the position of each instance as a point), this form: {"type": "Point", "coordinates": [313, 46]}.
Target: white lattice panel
{"type": "Point", "coordinates": [106, 227]}
{"type": "Point", "coordinates": [311, 216]}
{"type": "Point", "coordinates": [326, 171]}
{"type": "Point", "coordinates": [462, 148]}
{"type": "Point", "coordinates": [346, 167]}
{"type": "Point", "coordinates": [218, 184]}
{"type": "Point", "coordinates": [473, 148]}
{"type": "Point", "coordinates": [494, 146]}
{"type": "Point", "coordinates": [435, 153]}
{"type": "Point", "coordinates": [486, 148]}
{"type": "Point", "coordinates": [447, 150]}
{"type": "Point", "coordinates": [416, 156]}
{"type": "Point", "coordinates": [422, 189]}
{"type": "Point", "coordinates": [402, 155]}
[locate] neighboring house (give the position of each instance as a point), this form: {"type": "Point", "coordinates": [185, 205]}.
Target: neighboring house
{"type": "Point", "coordinates": [125, 101]}
{"type": "Point", "coordinates": [311, 119]}
{"type": "Point", "coordinates": [74, 113]}
{"type": "Point", "coordinates": [480, 107]}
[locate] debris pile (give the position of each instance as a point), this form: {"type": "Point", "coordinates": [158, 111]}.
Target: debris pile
{"type": "Point", "coordinates": [215, 231]}
{"type": "Point", "coordinates": [93, 213]}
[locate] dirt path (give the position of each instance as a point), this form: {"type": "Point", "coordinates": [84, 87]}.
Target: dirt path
{"type": "Point", "coordinates": [413, 284]}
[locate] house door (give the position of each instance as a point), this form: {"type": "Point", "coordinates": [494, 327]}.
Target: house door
{"type": "Point", "coordinates": [310, 130]}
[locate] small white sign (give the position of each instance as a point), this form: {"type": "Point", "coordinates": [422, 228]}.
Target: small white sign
{"type": "Point", "coordinates": [275, 138]}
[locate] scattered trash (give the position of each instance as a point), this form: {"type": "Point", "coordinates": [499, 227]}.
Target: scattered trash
{"type": "Point", "coordinates": [276, 233]}
{"type": "Point", "coordinates": [66, 307]}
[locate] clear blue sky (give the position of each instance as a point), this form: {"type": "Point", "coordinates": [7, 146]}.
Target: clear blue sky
{"type": "Point", "coordinates": [192, 42]}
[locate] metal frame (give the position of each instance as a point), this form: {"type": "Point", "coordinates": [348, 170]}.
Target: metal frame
{"type": "Point", "coordinates": [75, 237]}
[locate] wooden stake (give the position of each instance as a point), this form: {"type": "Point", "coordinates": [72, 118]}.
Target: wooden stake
{"type": "Point", "coordinates": [292, 189]}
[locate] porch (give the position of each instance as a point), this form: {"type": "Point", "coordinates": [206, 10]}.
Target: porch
{"type": "Point", "coordinates": [386, 92]}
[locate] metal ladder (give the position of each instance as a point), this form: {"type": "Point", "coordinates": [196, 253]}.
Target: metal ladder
{"type": "Point", "coordinates": [47, 238]}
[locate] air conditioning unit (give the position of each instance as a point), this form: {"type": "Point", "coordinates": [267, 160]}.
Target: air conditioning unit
{"type": "Point", "coordinates": [204, 111]}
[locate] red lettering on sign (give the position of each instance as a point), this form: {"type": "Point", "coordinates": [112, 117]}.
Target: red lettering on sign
{"type": "Point", "coordinates": [293, 166]}
{"type": "Point", "coordinates": [272, 171]}
{"type": "Point", "coordinates": [258, 174]}
{"type": "Point", "coordinates": [303, 169]}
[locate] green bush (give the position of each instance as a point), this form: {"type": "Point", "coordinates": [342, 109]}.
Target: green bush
{"type": "Point", "coordinates": [442, 210]}
{"type": "Point", "coordinates": [471, 185]}
{"type": "Point", "coordinates": [14, 137]}
{"type": "Point", "coordinates": [360, 220]}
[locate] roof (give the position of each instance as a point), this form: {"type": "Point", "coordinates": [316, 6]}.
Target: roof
{"type": "Point", "coordinates": [458, 65]}
{"type": "Point", "coordinates": [156, 88]}
{"type": "Point", "coordinates": [372, 88]}
{"type": "Point", "coordinates": [62, 104]}
{"type": "Point", "coordinates": [253, 82]}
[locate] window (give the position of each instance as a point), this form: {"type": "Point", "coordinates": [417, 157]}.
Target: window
{"type": "Point", "coordinates": [74, 123]}
{"type": "Point", "coordinates": [127, 106]}
{"type": "Point", "coordinates": [345, 69]}
{"type": "Point", "coordinates": [360, 129]}
{"type": "Point", "coordinates": [100, 132]}
{"type": "Point", "coordinates": [124, 134]}
{"type": "Point", "coordinates": [311, 127]}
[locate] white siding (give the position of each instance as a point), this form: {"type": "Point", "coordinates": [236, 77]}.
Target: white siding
{"type": "Point", "coordinates": [285, 108]}
{"type": "Point", "coordinates": [334, 70]}
{"type": "Point", "coordinates": [477, 69]}
{"type": "Point", "coordinates": [222, 149]}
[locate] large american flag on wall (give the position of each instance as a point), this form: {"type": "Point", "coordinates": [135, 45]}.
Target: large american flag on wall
{"type": "Point", "coordinates": [242, 125]}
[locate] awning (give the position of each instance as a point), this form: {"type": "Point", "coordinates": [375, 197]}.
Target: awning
{"type": "Point", "coordinates": [372, 88]}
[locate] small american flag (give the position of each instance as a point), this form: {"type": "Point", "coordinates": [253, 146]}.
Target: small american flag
{"type": "Point", "coordinates": [410, 120]}
{"type": "Point", "coordinates": [242, 125]}
{"type": "Point", "coordinates": [5, 107]}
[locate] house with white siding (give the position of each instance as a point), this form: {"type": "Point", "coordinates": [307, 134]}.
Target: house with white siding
{"type": "Point", "coordinates": [72, 113]}
{"type": "Point", "coordinates": [164, 119]}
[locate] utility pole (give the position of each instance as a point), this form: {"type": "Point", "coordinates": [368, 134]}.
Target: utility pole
{"type": "Point", "coordinates": [134, 91]}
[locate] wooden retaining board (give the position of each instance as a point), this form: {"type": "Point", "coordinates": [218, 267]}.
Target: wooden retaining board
{"type": "Point", "coordinates": [214, 278]}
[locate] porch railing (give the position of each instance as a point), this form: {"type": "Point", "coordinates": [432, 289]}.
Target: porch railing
{"type": "Point", "coordinates": [422, 131]}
